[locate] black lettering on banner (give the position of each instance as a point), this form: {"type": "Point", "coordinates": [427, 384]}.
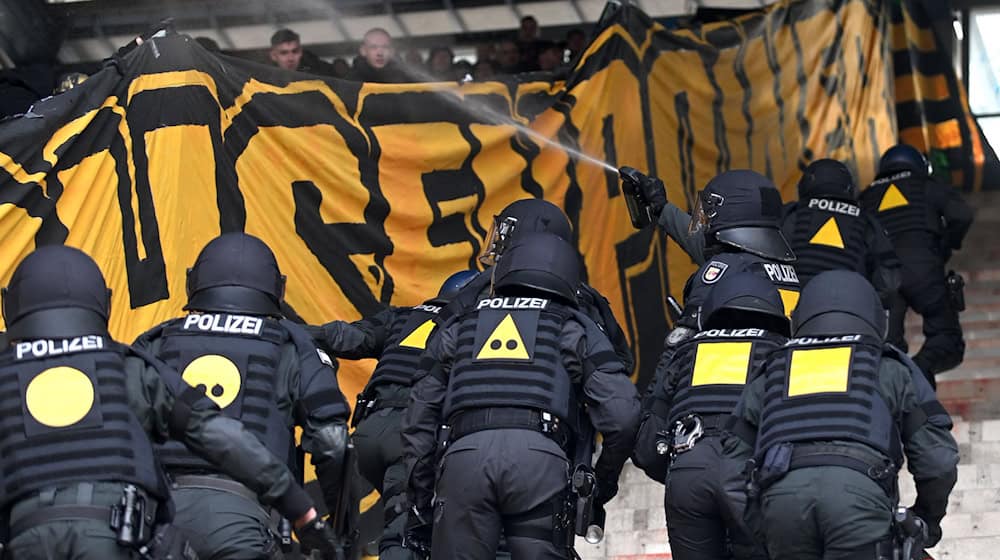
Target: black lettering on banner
{"type": "Point", "coordinates": [776, 72]}
{"type": "Point", "coordinates": [529, 106]}
{"type": "Point", "coordinates": [148, 111]}
{"type": "Point", "coordinates": [709, 58]}
{"type": "Point", "coordinates": [645, 317]}
{"type": "Point", "coordinates": [610, 156]}
{"type": "Point", "coordinates": [685, 146]}
{"type": "Point", "coordinates": [332, 244]}
{"type": "Point", "coordinates": [569, 136]}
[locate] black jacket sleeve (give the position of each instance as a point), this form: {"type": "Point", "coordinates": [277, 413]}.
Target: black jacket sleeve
{"type": "Point", "coordinates": [611, 400]}
{"type": "Point", "coordinates": [597, 308]}
{"type": "Point", "coordinates": [957, 216]}
{"type": "Point", "coordinates": [424, 415]}
{"type": "Point", "coordinates": [364, 338]}
{"type": "Point", "coordinates": [167, 406]}
{"type": "Point", "coordinates": [885, 270]}
{"type": "Point", "coordinates": [321, 411]}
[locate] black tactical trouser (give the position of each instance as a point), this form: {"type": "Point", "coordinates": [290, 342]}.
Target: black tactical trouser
{"type": "Point", "coordinates": [825, 513]}
{"type": "Point", "coordinates": [378, 445]}
{"type": "Point", "coordinates": [222, 525]}
{"type": "Point", "coordinates": [79, 539]}
{"type": "Point", "coordinates": [704, 502]}
{"type": "Point", "coordinates": [924, 289]}
{"type": "Point", "coordinates": [493, 480]}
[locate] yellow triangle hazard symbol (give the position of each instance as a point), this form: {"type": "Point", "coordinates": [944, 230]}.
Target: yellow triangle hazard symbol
{"type": "Point", "coordinates": [418, 338]}
{"type": "Point", "coordinates": [829, 235]}
{"type": "Point", "coordinates": [504, 343]}
{"type": "Point", "coordinates": [892, 198]}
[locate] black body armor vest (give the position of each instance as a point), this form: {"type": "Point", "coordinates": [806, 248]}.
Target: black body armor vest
{"type": "Point", "coordinates": [234, 357]}
{"type": "Point", "coordinates": [508, 355]}
{"type": "Point", "coordinates": [828, 235]}
{"type": "Point", "coordinates": [714, 366]}
{"type": "Point", "coordinates": [822, 390]}
{"type": "Point", "coordinates": [66, 418]}
{"type": "Point", "coordinates": [408, 334]}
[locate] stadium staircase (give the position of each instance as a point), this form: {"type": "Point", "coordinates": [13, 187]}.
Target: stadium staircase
{"type": "Point", "coordinates": [636, 529]}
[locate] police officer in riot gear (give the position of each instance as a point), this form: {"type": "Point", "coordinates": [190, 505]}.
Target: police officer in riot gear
{"type": "Point", "coordinates": [516, 381]}
{"type": "Point", "coordinates": [80, 476]}
{"type": "Point", "coordinates": [536, 215]}
{"type": "Point", "coordinates": [397, 336]}
{"type": "Point", "coordinates": [741, 321]}
{"type": "Point", "coordinates": [926, 221]}
{"type": "Point", "coordinates": [828, 423]}
{"type": "Point", "coordinates": [828, 230]}
{"type": "Point", "coordinates": [259, 368]}
{"type": "Point", "coordinates": [734, 227]}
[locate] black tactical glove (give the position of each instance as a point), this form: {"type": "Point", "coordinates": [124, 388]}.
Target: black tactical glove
{"type": "Point", "coordinates": [417, 535]}
{"type": "Point", "coordinates": [317, 535]}
{"type": "Point", "coordinates": [607, 488]}
{"type": "Point", "coordinates": [932, 502]}
{"type": "Point", "coordinates": [651, 188]}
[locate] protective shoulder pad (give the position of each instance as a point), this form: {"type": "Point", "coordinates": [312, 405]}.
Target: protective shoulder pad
{"type": "Point", "coordinates": [930, 407]}
{"type": "Point", "coordinates": [304, 343]}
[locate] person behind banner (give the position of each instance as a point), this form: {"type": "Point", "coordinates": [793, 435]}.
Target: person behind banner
{"type": "Point", "coordinates": [826, 427]}
{"type": "Point", "coordinates": [376, 62]}
{"type": "Point", "coordinates": [397, 336]}
{"type": "Point", "coordinates": [926, 221]}
{"type": "Point", "coordinates": [532, 216]}
{"type": "Point", "coordinates": [80, 476]}
{"type": "Point", "coordinates": [828, 230]}
{"type": "Point", "coordinates": [741, 322]}
{"type": "Point", "coordinates": [260, 368]}
{"type": "Point", "coordinates": [500, 401]}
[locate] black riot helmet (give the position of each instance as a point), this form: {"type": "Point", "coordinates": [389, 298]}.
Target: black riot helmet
{"type": "Point", "coordinates": [454, 283]}
{"type": "Point", "coordinates": [56, 292]}
{"type": "Point", "coordinates": [903, 157]}
{"type": "Point", "coordinates": [744, 301]}
{"type": "Point", "coordinates": [742, 209]}
{"type": "Point", "coordinates": [540, 264]}
{"type": "Point", "coordinates": [839, 302]}
{"type": "Point", "coordinates": [235, 273]}
{"type": "Point", "coordinates": [828, 178]}
{"type": "Point", "coordinates": [522, 216]}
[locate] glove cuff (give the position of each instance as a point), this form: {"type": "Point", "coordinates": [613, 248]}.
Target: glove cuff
{"type": "Point", "coordinates": [294, 503]}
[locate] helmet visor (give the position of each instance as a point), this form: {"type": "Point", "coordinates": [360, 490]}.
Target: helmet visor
{"type": "Point", "coordinates": [706, 207]}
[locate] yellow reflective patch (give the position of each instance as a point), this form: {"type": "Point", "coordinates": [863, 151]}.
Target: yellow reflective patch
{"type": "Point", "coordinates": [369, 501]}
{"type": "Point", "coordinates": [217, 375]}
{"type": "Point", "coordinates": [893, 198]}
{"type": "Point", "coordinates": [789, 298]}
{"type": "Point", "coordinates": [721, 363]}
{"type": "Point", "coordinates": [823, 370]}
{"type": "Point", "coordinates": [504, 343]}
{"type": "Point", "coordinates": [418, 338]}
{"type": "Point", "coordinates": [829, 235]}
{"type": "Point", "coordinates": [59, 396]}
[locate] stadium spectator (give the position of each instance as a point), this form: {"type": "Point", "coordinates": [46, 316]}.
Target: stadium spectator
{"type": "Point", "coordinates": [484, 70]}
{"type": "Point", "coordinates": [413, 59]}
{"type": "Point", "coordinates": [376, 62]}
{"type": "Point", "coordinates": [461, 69]}
{"type": "Point", "coordinates": [550, 56]}
{"type": "Point", "coordinates": [286, 49]}
{"type": "Point", "coordinates": [509, 57]}
{"type": "Point", "coordinates": [341, 68]}
{"type": "Point", "coordinates": [528, 42]}
{"type": "Point", "coordinates": [439, 64]}
{"type": "Point", "coordinates": [486, 51]}
{"type": "Point", "coordinates": [576, 42]}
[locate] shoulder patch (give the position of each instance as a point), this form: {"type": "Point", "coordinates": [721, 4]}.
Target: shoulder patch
{"type": "Point", "coordinates": [713, 271]}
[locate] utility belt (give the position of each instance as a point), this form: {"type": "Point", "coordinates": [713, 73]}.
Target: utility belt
{"type": "Point", "coordinates": [687, 431]}
{"type": "Point", "coordinates": [471, 421]}
{"type": "Point", "coordinates": [133, 521]}
{"type": "Point", "coordinates": [279, 525]}
{"type": "Point", "coordinates": [785, 457]}
{"type": "Point", "coordinates": [366, 406]}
